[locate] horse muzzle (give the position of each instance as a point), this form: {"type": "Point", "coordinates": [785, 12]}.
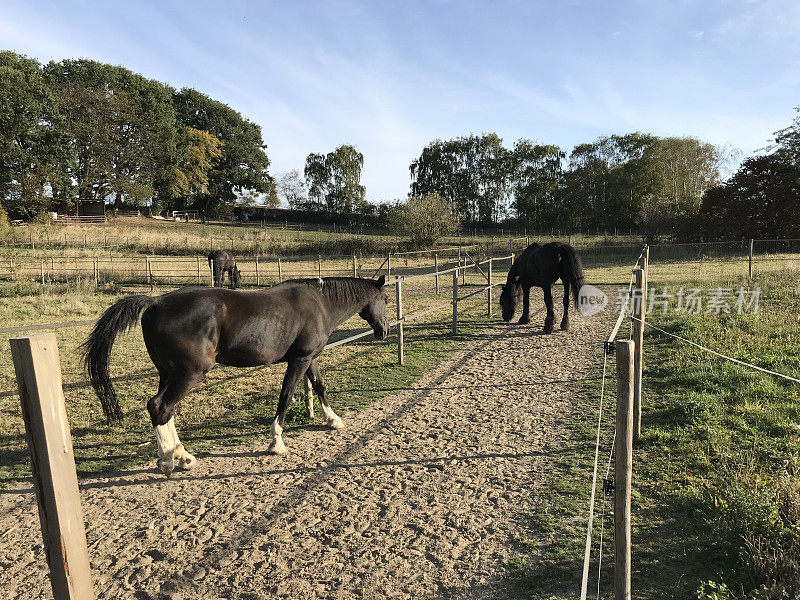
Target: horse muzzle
{"type": "Point", "coordinates": [381, 331]}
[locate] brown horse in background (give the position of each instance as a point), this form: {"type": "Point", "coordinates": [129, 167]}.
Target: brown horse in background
{"type": "Point", "coordinates": [220, 262]}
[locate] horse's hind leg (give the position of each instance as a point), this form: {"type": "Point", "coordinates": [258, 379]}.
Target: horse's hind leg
{"type": "Point", "coordinates": [565, 318]}
{"type": "Point", "coordinates": [161, 408]}
{"type": "Point", "coordinates": [334, 421]}
{"type": "Point", "coordinates": [294, 372]}
{"type": "Point", "coordinates": [551, 315]}
{"type": "Point", "coordinates": [309, 395]}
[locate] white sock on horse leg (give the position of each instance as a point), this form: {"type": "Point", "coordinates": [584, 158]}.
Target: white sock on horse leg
{"type": "Point", "coordinates": [166, 447]}
{"type": "Point", "coordinates": [333, 420]}
{"type": "Point", "coordinates": [181, 456]}
{"type": "Point", "coordinates": [277, 446]}
{"type": "Point", "coordinates": [309, 398]}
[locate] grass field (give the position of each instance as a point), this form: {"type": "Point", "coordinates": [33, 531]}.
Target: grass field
{"type": "Point", "coordinates": [716, 492]}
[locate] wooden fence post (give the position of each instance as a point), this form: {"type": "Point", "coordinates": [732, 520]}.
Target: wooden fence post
{"type": "Point", "coordinates": [455, 300]}
{"type": "Point", "coordinates": [399, 297]}
{"type": "Point", "coordinates": [489, 290]}
{"type": "Point", "coordinates": [11, 267]}
{"type": "Point", "coordinates": [355, 266]}
{"type": "Point", "coordinates": [464, 272]}
{"type": "Point", "coordinates": [623, 471]}
{"type": "Point", "coordinates": [258, 275]}
{"type": "Point", "coordinates": [436, 270]}
{"type": "Point", "coordinates": [150, 273]}
{"type": "Point", "coordinates": [96, 262]}
{"type": "Point", "coordinates": [388, 266]}
{"type": "Point", "coordinates": [750, 261]}
{"type": "Point", "coordinates": [280, 271]}
{"type": "Point", "coordinates": [199, 281]}
{"type": "Point", "coordinates": [319, 266]}
{"type": "Point", "coordinates": [639, 310]}
{"type": "Point", "coordinates": [38, 372]}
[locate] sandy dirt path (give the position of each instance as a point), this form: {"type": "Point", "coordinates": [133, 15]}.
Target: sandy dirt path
{"type": "Point", "coordinates": [421, 496]}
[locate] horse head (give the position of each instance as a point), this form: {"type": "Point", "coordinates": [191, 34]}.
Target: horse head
{"type": "Point", "coordinates": [510, 297]}
{"type": "Point", "coordinates": [374, 312]}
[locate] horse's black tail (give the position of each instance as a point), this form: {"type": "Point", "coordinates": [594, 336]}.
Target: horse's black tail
{"type": "Point", "coordinates": [573, 271]}
{"type": "Point", "coordinates": [97, 348]}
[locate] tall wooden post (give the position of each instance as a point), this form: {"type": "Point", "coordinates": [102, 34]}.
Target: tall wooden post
{"type": "Point", "coordinates": [436, 270]}
{"type": "Point", "coordinates": [388, 266]}
{"type": "Point", "coordinates": [455, 300]}
{"type": "Point", "coordinates": [623, 471]}
{"type": "Point", "coordinates": [400, 332]}
{"type": "Point", "coordinates": [38, 372]}
{"type": "Point", "coordinates": [319, 266]}
{"type": "Point", "coordinates": [258, 275]}
{"type": "Point", "coordinates": [199, 280]}
{"type": "Point", "coordinates": [639, 310]}
{"type": "Point", "coordinates": [355, 266]}
{"type": "Point", "coordinates": [280, 271]}
{"type": "Point", "coordinates": [489, 290]}
{"type": "Point", "coordinates": [750, 260]}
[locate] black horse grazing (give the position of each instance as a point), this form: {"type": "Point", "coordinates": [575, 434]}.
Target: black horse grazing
{"type": "Point", "coordinates": [220, 262]}
{"type": "Point", "coordinates": [542, 266]}
{"type": "Point", "coordinates": [189, 330]}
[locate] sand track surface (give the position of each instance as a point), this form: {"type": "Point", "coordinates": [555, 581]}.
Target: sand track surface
{"type": "Point", "coordinates": [422, 495]}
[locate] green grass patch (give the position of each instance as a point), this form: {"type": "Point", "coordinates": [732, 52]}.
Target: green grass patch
{"type": "Point", "coordinates": [716, 503]}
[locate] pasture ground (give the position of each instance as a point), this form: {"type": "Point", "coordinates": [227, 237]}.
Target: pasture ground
{"type": "Point", "coordinates": [423, 495]}
{"type": "Point", "coordinates": [716, 473]}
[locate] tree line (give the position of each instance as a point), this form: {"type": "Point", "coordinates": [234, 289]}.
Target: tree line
{"type": "Point", "coordinates": [83, 130]}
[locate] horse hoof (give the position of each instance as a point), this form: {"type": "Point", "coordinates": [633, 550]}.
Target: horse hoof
{"type": "Point", "coordinates": [277, 448]}
{"type": "Point", "coordinates": [565, 327]}
{"type": "Point", "coordinates": [188, 463]}
{"type": "Point", "coordinates": [548, 329]}
{"type": "Point", "coordinates": [524, 321]}
{"type": "Point", "coordinates": [336, 423]}
{"type": "Point", "coordinates": [165, 466]}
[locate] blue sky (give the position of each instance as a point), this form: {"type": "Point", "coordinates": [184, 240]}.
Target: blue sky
{"type": "Point", "coordinates": [388, 77]}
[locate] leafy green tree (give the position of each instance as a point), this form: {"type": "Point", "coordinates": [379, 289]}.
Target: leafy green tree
{"type": "Point", "coordinates": [425, 219]}
{"type": "Point", "coordinates": [473, 172]}
{"type": "Point", "coordinates": [759, 200]}
{"type": "Point", "coordinates": [244, 164]}
{"type": "Point", "coordinates": [536, 180]}
{"type": "Point", "coordinates": [34, 156]}
{"type": "Point", "coordinates": [199, 151]}
{"type": "Point", "coordinates": [334, 180]}
{"type": "Point", "coordinates": [121, 128]}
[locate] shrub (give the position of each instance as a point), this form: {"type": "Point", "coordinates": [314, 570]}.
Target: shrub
{"type": "Point", "coordinates": [425, 219]}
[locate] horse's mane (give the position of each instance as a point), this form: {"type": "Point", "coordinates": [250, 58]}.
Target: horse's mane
{"type": "Point", "coordinates": [339, 289]}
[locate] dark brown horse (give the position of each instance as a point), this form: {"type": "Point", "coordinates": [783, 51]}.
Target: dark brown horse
{"type": "Point", "coordinates": [542, 266]}
{"type": "Point", "coordinates": [221, 262]}
{"type": "Point", "coordinates": [189, 330]}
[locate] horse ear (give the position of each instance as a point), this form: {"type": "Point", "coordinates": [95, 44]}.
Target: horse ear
{"type": "Point", "coordinates": [381, 281]}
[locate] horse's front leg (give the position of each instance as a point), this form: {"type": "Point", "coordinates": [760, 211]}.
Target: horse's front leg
{"type": "Point", "coordinates": [565, 318]}
{"type": "Point", "coordinates": [171, 453]}
{"type": "Point", "coordinates": [551, 315]}
{"type": "Point", "coordinates": [526, 306]}
{"type": "Point", "coordinates": [294, 372]}
{"type": "Point", "coordinates": [334, 421]}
